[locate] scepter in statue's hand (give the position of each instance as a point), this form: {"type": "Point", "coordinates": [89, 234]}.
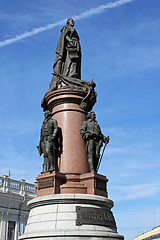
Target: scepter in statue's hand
{"type": "Point", "coordinates": [106, 141]}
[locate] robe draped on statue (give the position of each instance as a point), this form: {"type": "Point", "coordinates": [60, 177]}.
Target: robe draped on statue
{"type": "Point", "coordinates": [68, 53]}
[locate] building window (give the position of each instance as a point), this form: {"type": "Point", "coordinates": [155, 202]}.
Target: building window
{"type": "Point", "coordinates": [11, 230]}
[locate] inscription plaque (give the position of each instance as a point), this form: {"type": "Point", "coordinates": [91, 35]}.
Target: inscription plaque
{"type": "Point", "coordinates": [95, 216]}
{"type": "Point", "coordinates": [100, 184]}
{"type": "Point", "coordinates": [46, 184]}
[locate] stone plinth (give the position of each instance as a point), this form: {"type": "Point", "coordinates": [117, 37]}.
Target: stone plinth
{"type": "Point", "coordinates": [65, 106]}
{"type": "Point", "coordinates": [73, 185]}
{"type": "Point", "coordinates": [96, 183]}
{"type": "Point", "coordinates": [71, 216]}
{"type": "Point", "coordinates": [55, 183]}
{"type": "Point", "coordinates": [87, 183]}
{"type": "Point", "coordinates": [49, 183]}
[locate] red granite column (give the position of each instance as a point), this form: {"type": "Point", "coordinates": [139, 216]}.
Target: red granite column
{"type": "Point", "coordinates": [64, 104]}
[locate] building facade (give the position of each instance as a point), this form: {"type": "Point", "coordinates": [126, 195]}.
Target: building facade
{"type": "Point", "coordinates": [14, 196]}
{"type": "Point", "coordinates": [152, 234]}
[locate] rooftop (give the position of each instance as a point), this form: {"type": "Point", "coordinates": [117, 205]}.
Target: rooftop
{"type": "Point", "coordinates": [18, 187]}
{"type": "Point", "coordinates": [147, 235]}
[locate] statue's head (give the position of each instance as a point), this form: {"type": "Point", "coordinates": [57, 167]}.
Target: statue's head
{"type": "Point", "coordinates": [91, 115]}
{"type": "Point", "coordinates": [70, 22]}
{"type": "Point", "coordinates": [47, 114]}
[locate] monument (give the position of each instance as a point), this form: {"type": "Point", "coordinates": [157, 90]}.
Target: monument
{"type": "Point", "coordinates": [72, 200]}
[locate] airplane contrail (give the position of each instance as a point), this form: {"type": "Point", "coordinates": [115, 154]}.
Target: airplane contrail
{"type": "Point", "coordinates": [82, 15]}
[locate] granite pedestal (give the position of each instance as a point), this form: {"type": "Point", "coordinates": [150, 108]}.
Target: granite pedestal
{"type": "Point", "coordinates": [72, 203]}
{"type": "Point", "coordinates": [71, 216]}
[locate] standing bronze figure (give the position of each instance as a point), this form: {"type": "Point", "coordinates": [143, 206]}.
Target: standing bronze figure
{"type": "Point", "coordinates": [48, 144]}
{"type": "Point", "coordinates": [93, 137]}
{"type": "Point", "coordinates": [68, 52]}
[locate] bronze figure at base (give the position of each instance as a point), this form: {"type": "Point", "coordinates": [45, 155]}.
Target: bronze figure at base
{"type": "Point", "coordinates": [48, 145]}
{"type": "Point", "coordinates": [94, 139]}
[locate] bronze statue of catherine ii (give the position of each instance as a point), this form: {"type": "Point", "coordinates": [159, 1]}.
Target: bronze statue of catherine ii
{"type": "Point", "coordinates": [68, 52]}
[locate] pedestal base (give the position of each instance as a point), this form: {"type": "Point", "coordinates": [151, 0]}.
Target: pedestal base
{"type": "Point", "coordinates": [71, 216]}
{"type": "Point", "coordinates": [87, 183]}
{"type": "Point", "coordinates": [49, 183]}
{"type": "Point", "coordinates": [96, 183]}
{"type": "Point", "coordinates": [73, 185]}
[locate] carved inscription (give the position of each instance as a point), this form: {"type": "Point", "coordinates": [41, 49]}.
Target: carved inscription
{"type": "Point", "coordinates": [46, 184]}
{"type": "Point", "coordinates": [94, 216]}
{"type": "Point", "coordinates": [100, 184]}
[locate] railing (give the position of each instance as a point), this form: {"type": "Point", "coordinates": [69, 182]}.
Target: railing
{"type": "Point", "coordinates": [30, 188]}
{"type": "Point", "coordinates": [14, 186]}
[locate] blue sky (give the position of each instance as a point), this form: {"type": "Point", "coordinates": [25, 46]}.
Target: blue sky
{"type": "Point", "coordinates": [121, 53]}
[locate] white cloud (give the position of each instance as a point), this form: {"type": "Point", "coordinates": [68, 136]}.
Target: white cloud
{"type": "Point", "coordinates": [84, 14]}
